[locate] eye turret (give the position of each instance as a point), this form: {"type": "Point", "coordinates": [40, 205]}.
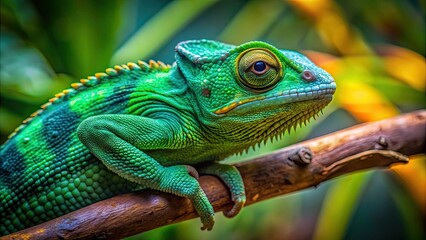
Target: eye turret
{"type": "Point", "coordinates": [258, 70]}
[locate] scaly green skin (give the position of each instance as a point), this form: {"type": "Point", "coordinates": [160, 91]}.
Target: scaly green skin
{"type": "Point", "coordinates": [141, 126]}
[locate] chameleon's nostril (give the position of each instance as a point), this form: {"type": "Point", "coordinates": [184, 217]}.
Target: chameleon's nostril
{"type": "Point", "coordinates": [308, 76]}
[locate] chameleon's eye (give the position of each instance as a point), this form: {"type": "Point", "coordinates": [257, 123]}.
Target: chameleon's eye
{"type": "Point", "coordinates": [258, 70]}
{"type": "Point", "coordinates": [259, 67]}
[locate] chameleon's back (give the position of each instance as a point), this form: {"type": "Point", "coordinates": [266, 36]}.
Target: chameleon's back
{"type": "Point", "coordinates": [45, 171]}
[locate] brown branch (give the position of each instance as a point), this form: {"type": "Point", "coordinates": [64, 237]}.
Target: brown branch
{"type": "Point", "coordinates": [297, 167]}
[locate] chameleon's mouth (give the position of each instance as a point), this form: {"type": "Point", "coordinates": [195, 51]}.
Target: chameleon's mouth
{"type": "Point", "coordinates": [322, 91]}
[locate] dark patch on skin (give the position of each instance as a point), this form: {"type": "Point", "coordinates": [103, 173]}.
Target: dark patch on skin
{"type": "Point", "coordinates": [59, 125]}
{"type": "Point", "coordinates": [57, 129]}
{"type": "Point", "coordinates": [120, 96]}
{"type": "Point", "coordinates": [12, 167]}
{"type": "Point", "coordinates": [224, 56]}
{"type": "Point", "coordinates": [206, 92]}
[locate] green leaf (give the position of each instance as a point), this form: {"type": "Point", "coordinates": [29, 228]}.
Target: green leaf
{"type": "Point", "coordinates": [249, 27]}
{"type": "Point", "coordinates": [339, 205]}
{"type": "Point", "coordinates": [159, 29]}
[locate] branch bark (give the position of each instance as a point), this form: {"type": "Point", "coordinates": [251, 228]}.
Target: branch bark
{"type": "Point", "coordinates": [300, 166]}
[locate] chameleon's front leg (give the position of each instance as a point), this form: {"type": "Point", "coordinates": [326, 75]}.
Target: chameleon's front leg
{"type": "Point", "coordinates": [119, 142]}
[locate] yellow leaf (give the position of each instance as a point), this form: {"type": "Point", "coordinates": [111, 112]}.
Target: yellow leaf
{"type": "Point", "coordinates": [364, 102]}
{"type": "Point", "coordinates": [332, 27]}
{"type": "Point", "coordinates": [405, 65]}
{"type": "Point", "coordinates": [413, 175]}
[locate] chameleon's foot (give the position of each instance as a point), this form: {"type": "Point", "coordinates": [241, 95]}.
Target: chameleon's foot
{"type": "Point", "coordinates": [208, 225]}
{"type": "Point", "coordinates": [232, 178]}
{"type": "Point", "coordinates": [206, 217]}
{"type": "Point", "coordinates": [204, 209]}
{"type": "Point", "coordinates": [181, 180]}
{"type": "Point", "coordinates": [239, 202]}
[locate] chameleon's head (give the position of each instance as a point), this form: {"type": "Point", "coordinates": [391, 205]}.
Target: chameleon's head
{"type": "Point", "coordinates": [252, 91]}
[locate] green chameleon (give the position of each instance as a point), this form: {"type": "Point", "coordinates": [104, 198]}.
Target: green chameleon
{"type": "Point", "coordinates": [145, 125]}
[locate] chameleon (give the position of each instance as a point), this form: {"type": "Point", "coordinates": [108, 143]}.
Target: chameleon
{"type": "Point", "coordinates": [158, 126]}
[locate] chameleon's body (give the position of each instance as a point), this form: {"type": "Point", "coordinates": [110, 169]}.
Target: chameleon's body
{"type": "Point", "coordinates": [140, 125]}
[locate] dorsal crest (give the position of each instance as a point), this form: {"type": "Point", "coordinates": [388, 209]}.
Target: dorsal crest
{"type": "Point", "coordinates": [91, 81]}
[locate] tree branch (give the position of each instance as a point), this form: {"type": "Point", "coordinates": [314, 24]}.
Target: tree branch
{"type": "Point", "coordinates": [300, 166]}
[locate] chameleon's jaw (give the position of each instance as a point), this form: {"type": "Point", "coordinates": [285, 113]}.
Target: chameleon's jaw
{"type": "Point", "coordinates": [322, 91]}
{"type": "Point", "coordinates": [274, 114]}
{"type": "Point", "coordinates": [276, 127]}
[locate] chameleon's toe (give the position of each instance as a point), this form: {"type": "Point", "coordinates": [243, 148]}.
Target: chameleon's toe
{"type": "Point", "coordinates": [238, 205]}
{"type": "Point", "coordinates": [207, 224]}
{"type": "Point", "coordinates": [204, 209]}
{"type": "Point", "coordinates": [192, 171]}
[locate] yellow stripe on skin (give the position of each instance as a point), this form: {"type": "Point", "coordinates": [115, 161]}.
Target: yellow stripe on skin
{"type": "Point", "coordinates": [236, 104]}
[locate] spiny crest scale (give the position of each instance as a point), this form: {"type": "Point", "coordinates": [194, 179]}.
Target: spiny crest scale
{"type": "Point", "coordinates": [91, 81]}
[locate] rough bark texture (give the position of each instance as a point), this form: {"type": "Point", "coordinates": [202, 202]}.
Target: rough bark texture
{"type": "Point", "coordinates": [300, 166]}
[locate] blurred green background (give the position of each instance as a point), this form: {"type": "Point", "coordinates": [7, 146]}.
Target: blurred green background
{"type": "Point", "coordinates": [375, 50]}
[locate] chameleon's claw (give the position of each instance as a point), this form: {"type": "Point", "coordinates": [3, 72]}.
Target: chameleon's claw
{"type": "Point", "coordinates": [208, 222]}
{"type": "Point", "coordinates": [207, 227]}
{"type": "Point", "coordinates": [192, 171]}
{"type": "Point", "coordinates": [238, 205]}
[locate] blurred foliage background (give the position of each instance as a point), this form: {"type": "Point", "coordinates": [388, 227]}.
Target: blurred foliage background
{"type": "Point", "coordinates": [375, 49]}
